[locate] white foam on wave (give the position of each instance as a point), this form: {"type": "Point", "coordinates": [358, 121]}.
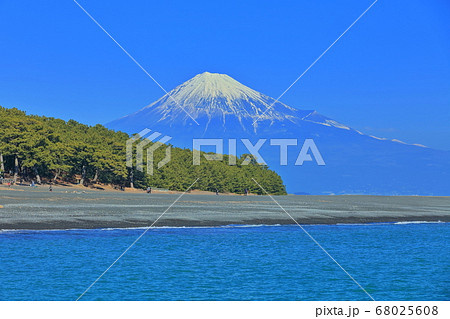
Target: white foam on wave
{"type": "Point", "coordinates": [218, 227]}
{"type": "Point", "coordinates": [419, 222]}
{"type": "Point", "coordinates": [193, 227]}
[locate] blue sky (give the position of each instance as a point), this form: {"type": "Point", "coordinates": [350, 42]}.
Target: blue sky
{"type": "Point", "coordinates": [388, 76]}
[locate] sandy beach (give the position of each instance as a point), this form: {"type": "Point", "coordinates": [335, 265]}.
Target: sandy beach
{"type": "Point", "coordinates": [72, 207]}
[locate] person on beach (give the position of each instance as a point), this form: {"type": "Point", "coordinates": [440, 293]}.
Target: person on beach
{"type": "Point", "coordinates": [217, 191]}
{"type": "Point", "coordinates": [149, 190]}
{"type": "Point", "coordinates": [50, 188]}
{"type": "Point", "coordinates": [246, 192]}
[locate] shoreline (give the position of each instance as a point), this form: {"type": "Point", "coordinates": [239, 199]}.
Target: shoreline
{"type": "Point", "coordinates": [220, 226]}
{"type": "Point", "coordinates": [38, 209]}
{"type": "Point", "coordinates": [180, 224]}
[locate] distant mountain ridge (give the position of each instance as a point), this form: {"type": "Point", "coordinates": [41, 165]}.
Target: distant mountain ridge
{"type": "Point", "coordinates": [355, 163]}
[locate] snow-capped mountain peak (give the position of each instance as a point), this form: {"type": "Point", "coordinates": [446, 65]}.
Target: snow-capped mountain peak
{"type": "Point", "coordinates": [218, 100]}
{"type": "Point", "coordinates": [212, 85]}
{"type": "Point", "coordinates": [210, 95]}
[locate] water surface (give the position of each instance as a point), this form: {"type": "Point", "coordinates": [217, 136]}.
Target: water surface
{"type": "Point", "coordinates": [406, 261]}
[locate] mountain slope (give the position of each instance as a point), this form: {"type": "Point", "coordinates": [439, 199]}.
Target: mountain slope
{"type": "Point", "coordinates": [213, 98]}
{"type": "Point", "coordinates": [355, 163]}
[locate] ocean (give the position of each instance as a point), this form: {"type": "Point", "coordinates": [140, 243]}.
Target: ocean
{"type": "Point", "coordinates": [392, 261]}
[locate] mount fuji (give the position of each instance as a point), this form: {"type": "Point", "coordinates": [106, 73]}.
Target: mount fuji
{"type": "Point", "coordinates": [212, 105]}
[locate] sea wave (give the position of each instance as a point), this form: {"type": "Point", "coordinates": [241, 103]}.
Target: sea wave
{"type": "Point", "coordinates": [419, 222]}
{"type": "Point", "coordinates": [219, 227]}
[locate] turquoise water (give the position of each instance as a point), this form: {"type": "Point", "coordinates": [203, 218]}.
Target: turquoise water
{"type": "Point", "coordinates": [391, 261]}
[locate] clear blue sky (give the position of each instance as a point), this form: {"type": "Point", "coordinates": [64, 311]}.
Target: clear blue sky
{"type": "Point", "coordinates": [388, 76]}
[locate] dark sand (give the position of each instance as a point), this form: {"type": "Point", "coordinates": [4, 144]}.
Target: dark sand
{"type": "Point", "coordinates": [66, 208]}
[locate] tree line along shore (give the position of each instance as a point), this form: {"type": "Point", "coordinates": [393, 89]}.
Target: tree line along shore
{"type": "Point", "coordinates": [39, 149]}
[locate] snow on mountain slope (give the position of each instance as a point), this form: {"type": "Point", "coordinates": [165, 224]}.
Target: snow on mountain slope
{"type": "Point", "coordinates": [214, 94]}
{"type": "Point", "coordinates": [218, 98]}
